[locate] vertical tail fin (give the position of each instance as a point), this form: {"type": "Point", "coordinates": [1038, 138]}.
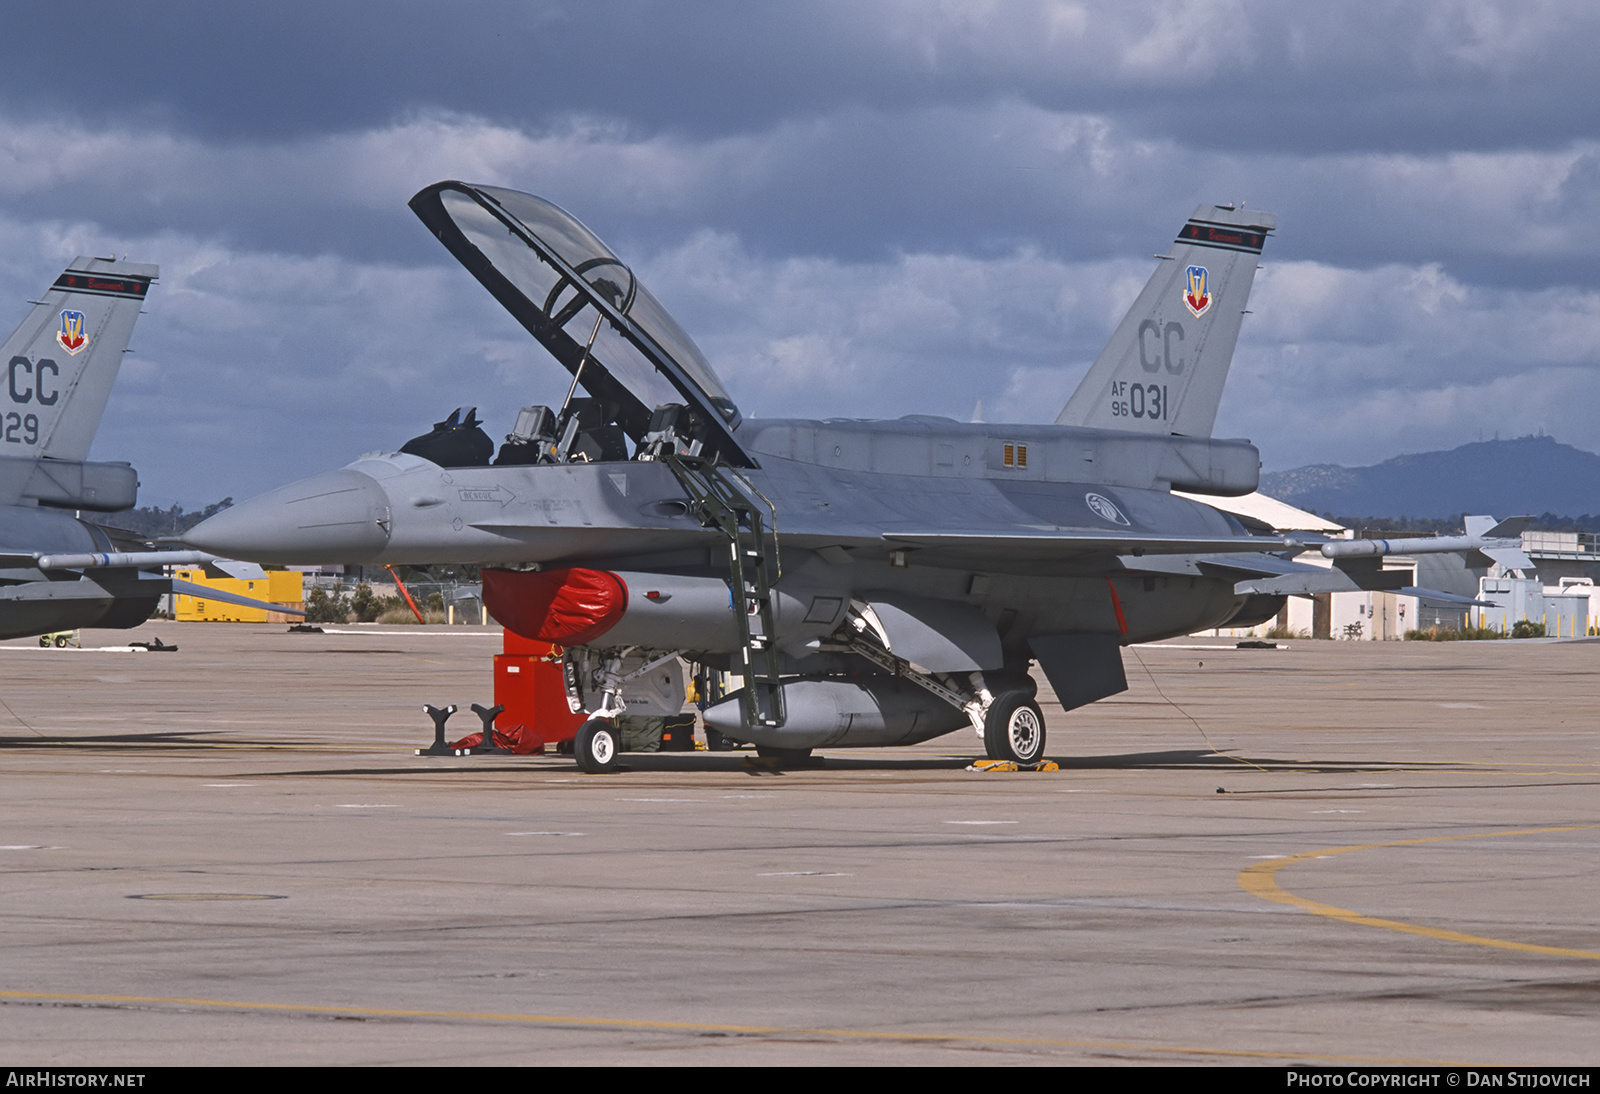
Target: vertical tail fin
{"type": "Point", "coordinates": [63, 359]}
{"type": "Point", "coordinates": [1163, 370]}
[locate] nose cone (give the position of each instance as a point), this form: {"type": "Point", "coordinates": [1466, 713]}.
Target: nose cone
{"type": "Point", "coordinates": [338, 516]}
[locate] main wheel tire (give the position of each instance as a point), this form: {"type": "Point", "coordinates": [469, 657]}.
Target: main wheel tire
{"type": "Point", "coordinates": [61, 641]}
{"type": "Point", "coordinates": [1014, 730]}
{"type": "Point", "coordinates": [597, 746]}
{"type": "Point", "coordinates": [716, 742]}
{"type": "Point", "coordinates": [44, 641]}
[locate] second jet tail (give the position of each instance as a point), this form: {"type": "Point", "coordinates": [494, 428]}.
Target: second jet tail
{"type": "Point", "coordinates": [1164, 368]}
{"type": "Point", "coordinates": [63, 359]}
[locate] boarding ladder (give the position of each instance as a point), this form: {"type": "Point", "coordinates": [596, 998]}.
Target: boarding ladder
{"type": "Point", "coordinates": [753, 563]}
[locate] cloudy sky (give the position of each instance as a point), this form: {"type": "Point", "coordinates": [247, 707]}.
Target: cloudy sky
{"type": "Point", "coordinates": [857, 208]}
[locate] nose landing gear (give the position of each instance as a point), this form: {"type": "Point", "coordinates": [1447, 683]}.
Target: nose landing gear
{"type": "Point", "coordinates": [596, 746]}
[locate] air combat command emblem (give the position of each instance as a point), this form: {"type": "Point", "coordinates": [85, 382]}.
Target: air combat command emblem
{"type": "Point", "coordinates": [71, 337]}
{"type": "Point", "coordinates": [1198, 297]}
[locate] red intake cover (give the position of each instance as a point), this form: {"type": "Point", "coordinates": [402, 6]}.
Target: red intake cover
{"type": "Point", "coordinates": [568, 607]}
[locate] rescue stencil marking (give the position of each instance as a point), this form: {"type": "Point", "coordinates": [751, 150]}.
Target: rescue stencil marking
{"type": "Point", "coordinates": [498, 493]}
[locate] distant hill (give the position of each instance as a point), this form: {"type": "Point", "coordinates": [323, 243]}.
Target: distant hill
{"type": "Point", "coordinates": [1533, 475]}
{"type": "Point", "coordinates": [149, 521]}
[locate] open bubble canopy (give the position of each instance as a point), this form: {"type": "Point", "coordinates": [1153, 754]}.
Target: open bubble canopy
{"type": "Point", "coordinates": [566, 287]}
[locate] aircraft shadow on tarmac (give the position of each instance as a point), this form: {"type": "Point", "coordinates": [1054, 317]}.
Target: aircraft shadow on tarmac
{"type": "Point", "coordinates": [749, 763]}
{"type": "Point", "coordinates": [707, 762]}
{"type": "Point", "coordinates": [1178, 759]}
{"type": "Point", "coordinates": [167, 738]}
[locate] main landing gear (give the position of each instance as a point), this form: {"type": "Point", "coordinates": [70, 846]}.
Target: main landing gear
{"type": "Point", "coordinates": [1013, 729]}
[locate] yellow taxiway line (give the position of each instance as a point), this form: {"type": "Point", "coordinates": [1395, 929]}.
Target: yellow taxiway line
{"type": "Point", "coordinates": [712, 1027]}
{"type": "Point", "coordinates": [1261, 880]}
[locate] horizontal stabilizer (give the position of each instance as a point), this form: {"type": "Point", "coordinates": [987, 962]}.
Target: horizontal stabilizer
{"type": "Point", "coordinates": [1447, 598]}
{"type": "Point", "coordinates": [1369, 574]}
{"type": "Point", "coordinates": [1337, 579]}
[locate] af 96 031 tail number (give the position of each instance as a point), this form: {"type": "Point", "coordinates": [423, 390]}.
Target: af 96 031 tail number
{"type": "Point", "coordinates": [1139, 400]}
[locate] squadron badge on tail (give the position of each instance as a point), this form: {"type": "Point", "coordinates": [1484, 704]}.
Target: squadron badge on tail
{"type": "Point", "coordinates": [1198, 297]}
{"type": "Point", "coordinates": [71, 337]}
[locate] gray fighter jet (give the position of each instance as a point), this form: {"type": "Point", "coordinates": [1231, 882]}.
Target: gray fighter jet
{"type": "Point", "coordinates": [869, 582]}
{"type": "Point", "coordinates": [59, 572]}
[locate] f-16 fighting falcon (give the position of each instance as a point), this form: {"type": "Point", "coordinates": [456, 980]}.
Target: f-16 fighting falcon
{"type": "Point", "coordinates": [870, 582]}
{"type": "Point", "coordinates": [59, 572]}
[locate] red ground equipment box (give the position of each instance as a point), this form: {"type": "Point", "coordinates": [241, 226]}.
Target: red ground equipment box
{"type": "Point", "coordinates": [528, 683]}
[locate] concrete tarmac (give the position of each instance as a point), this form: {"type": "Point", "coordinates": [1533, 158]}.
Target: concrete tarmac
{"type": "Point", "coordinates": [1334, 852]}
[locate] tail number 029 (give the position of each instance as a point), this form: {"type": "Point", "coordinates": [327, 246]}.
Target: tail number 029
{"type": "Point", "coordinates": [21, 428]}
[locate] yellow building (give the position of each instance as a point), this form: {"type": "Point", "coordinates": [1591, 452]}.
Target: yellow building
{"type": "Point", "coordinates": [286, 587]}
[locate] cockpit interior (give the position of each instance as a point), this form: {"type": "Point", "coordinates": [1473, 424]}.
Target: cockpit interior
{"type": "Point", "coordinates": [640, 386]}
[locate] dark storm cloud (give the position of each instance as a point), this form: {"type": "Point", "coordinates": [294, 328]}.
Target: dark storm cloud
{"type": "Point", "coordinates": [1221, 74]}
{"type": "Point", "coordinates": [875, 209]}
{"type": "Point", "coordinates": [831, 128]}
{"type": "Point", "coordinates": [862, 184]}
{"type": "Point", "coordinates": [288, 69]}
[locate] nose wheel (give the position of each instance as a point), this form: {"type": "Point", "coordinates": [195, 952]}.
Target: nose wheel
{"type": "Point", "coordinates": [1014, 730]}
{"type": "Point", "coordinates": [597, 746]}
